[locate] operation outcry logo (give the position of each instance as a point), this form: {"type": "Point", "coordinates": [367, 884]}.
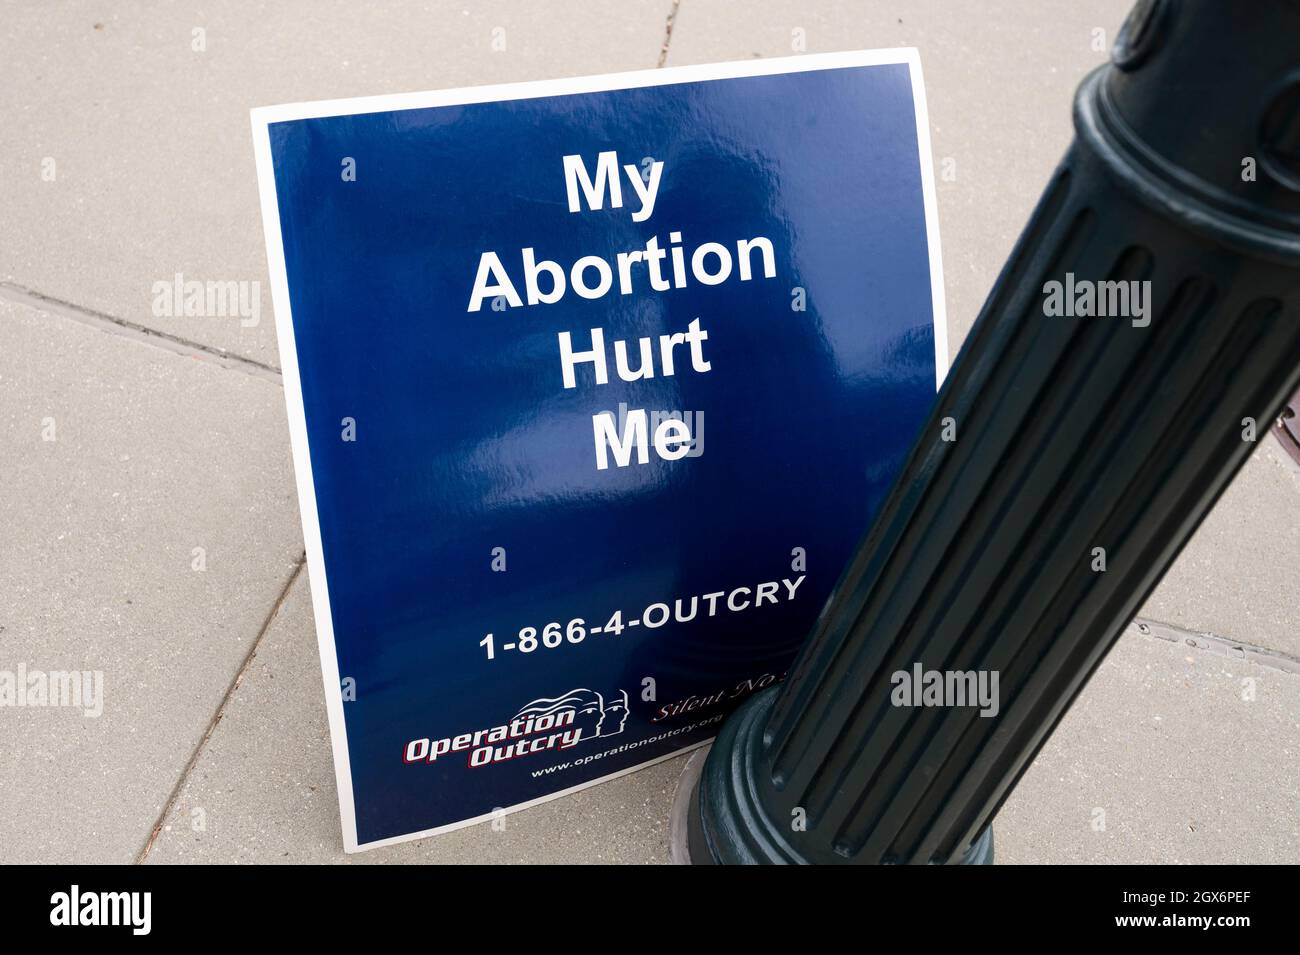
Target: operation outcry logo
{"type": "Point", "coordinates": [549, 723]}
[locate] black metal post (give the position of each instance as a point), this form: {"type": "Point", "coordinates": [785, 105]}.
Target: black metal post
{"type": "Point", "coordinates": [1086, 451]}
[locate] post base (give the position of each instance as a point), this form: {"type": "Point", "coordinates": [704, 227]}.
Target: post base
{"type": "Point", "coordinates": [717, 818]}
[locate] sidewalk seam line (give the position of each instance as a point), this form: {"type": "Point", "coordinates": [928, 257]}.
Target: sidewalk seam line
{"type": "Point", "coordinates": [668, 33]}
{"type": "Point", "coordinates": [244, 666]}
{"type": "Point", "coordinates": [1217, 645]}
{"type": "Point", "coordinates": [130, 330]}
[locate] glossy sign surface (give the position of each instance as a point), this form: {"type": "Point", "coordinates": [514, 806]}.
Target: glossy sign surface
{"type": "Point", "coordinates": [518, 592]}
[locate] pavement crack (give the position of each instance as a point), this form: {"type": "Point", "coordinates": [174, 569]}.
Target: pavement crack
{"type": "Point", "coordinates": [668, 33]}
{"type": "Point", "coordinates": [1216, 645]}
{"type": "Point", "coordinates": [122, 328]}
{"type": "Point", "coordinates": [244, 666]}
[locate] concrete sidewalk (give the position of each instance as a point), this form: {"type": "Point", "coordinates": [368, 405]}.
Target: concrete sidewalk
{"type": "Point", "coordinates": [150, 528]}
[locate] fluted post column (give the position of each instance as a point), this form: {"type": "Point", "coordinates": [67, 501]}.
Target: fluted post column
{"type": "Point", "coordinates": [1067, 461]}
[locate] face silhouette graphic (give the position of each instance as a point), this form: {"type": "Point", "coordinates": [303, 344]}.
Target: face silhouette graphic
{"type": "Point", "coordinates": [587, 707]}
{"type": "Point", "coordinates": [615, 715]}
{"type": "Point", "coordinates": [593, 715]}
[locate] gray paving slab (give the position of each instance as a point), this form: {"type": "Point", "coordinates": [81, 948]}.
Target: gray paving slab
{"type": "Point", "coordinates": [152, 455]}
{"type": "Point", "coordinates": [1000, 77]}
{"type": "Point", "coordinates": [1240, 575]}
{"type": "Point", "coordinates": [1171, 755]}
{"type": "Point", "coordinates": [150, 142]}
{"type": "Point", "coordinates": [263, 788]}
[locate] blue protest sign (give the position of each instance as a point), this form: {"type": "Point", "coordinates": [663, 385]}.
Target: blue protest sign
{"type": "Point", "coordinates": [593, 386]}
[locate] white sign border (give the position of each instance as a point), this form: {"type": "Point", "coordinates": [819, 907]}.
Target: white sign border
{"type": "Point", "coordinates": [263, 117]}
